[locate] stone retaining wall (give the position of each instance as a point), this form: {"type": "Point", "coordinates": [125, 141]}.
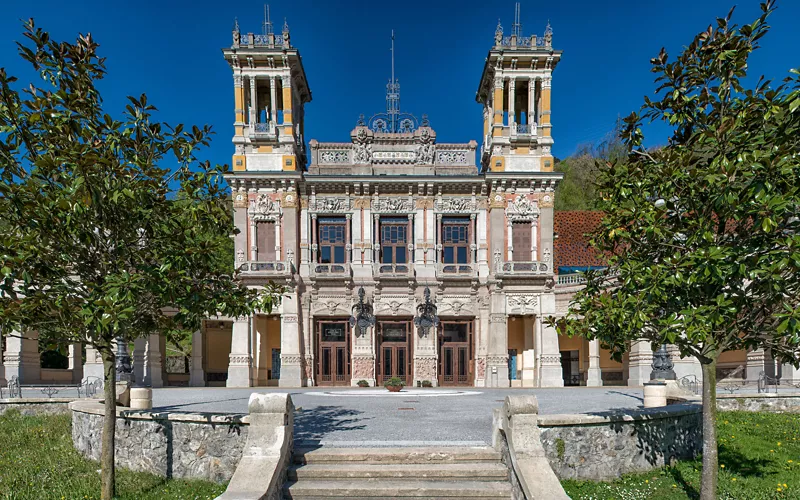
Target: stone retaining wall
{"type": "Point", "coordinates": [773, 403]}
{"type": "Point", "coordinates": [36, 406]}
{"type": "Point", "coordinates": [604, 446]}
{"type": "Point", "coordinates": [186, 445]}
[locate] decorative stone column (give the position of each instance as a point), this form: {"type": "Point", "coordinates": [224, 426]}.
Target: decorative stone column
{"type": "Point", "coordinates": [528, 356]}
{"type": "Point", "coordinates": [531, 105]}
{"type": "Point", "coordinates": [640, 359]}
{"type": "Point", "coordinates": [550, 371]}
{"type": "Point", "coordinates": [22, 357]}
{"type": "Point", "coordinates": [512, 85]}
{"type": "Point", "coordinates": [790, 374]}
{"type": "Point", "coordinates": [240, 358]}
{"type": "Point", "coordinates": [153, 363]}
{"type": "Point", "coordinates": [253, 118]}
{"type": "Point", "coordinates": [593, 374]}
{"type": "Point", "coordinates": [273, 100]}
{"type": "Point", "coordinates": [75, 355]}
{"type": "Point", "coordinates": [755, 365]}
{"type": "Point", "coordinates": [197, 377]}
{"type": "Point", "coordinates": [139, 350]}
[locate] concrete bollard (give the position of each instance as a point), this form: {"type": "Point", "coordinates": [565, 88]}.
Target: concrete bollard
{"type": "Point", "coordinates": [141, 398]}
{"type": "Point", "coordinates": [655, 394]}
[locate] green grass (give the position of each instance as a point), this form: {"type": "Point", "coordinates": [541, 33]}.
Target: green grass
{"type": "Point", "coordinates": [759, 457]}
{"type": "Point", "coordinates": [37, 461]}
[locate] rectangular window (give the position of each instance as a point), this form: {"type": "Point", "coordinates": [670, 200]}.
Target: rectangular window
{"type": "Point", "coordinates": [394, 240]}
{"type": "Point", "coordinates": [265, 241]}
{"type": "Point", "coordinates": [331, 239]}
{"type": "Point", "coordinates": [521, 241]}
{"type": "Point", "coordinates": [455, 240]}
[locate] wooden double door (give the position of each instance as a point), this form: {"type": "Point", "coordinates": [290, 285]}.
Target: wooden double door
{"type": "Point", "coordinates": [394, 351]}
{"type": "Point", "coordinates": [456, 357]}
{"type": "Point", "coordinates": [332, 363]}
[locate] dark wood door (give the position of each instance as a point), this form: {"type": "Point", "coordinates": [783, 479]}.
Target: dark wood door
{"type": "Point", "coordinates": [455, 353]}
{"type": "Point", "coordinates": [521, 240]}
{"type": "Point", "coordinates": [333, 353]}
{"type": "Point", "coordinates": [394, 351]}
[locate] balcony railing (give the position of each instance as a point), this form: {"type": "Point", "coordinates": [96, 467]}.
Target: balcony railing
{"type": "Point", "coordinates": [263, 129]}
{"type": "Point", "coordinates": [266, 268]}
{"type": "Point", "coordinates": [571, 279]}
{"type": "Point", "coordinates": [336, 271]}
{"type": "Point", "coordinates": [456, 270]}
{"type": "Point", "coordinates": [390, 270]}
{"type": "Point", "coordinates": [523, 129]}
{"type": "Point", "coordinates": [525, 268]}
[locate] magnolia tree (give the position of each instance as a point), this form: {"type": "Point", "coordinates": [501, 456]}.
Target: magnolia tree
{"type": "Point", "coordinates": [701, 236]}
{"type": "Point", "coordinates": [112, 229]}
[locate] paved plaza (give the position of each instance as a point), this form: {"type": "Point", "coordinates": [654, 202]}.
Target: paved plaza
{"type": "Point", "coordinates": [375, 417]}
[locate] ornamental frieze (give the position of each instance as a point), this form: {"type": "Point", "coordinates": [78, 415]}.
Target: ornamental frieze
{"type": "Point", "coordinates": [331, 204]}
{"type": "Point", "coordinates": [392, 205]}
{"type": "Point", "coordinates": [522, 304]}
{"type": "Point", "coordinates": [522, 207]}
{"type": "Point", "coordinates": [456, 205]}
{"type": "Point", "coordinates": [497, 201]}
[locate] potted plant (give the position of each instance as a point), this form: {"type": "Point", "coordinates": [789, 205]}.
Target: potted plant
{"type": "Point", "coordinates": [394, 384]}
{"type": "Point", "coordinates": [362, 383]}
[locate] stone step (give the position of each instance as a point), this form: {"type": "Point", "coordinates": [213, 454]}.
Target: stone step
{"type": "Point", "coordinates": [432, 455]}
{"type": "Point", "coordinates": [381, 488]}
{"type": "Point", "coordinates": [475, 471]}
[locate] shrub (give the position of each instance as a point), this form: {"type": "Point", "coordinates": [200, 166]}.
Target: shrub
{"type": "Point", "coordinates": [427, 383]}
{"type": "Point", "coordinates": [394, 382]}
{"type": "Point", "coordinates": [362, 383]}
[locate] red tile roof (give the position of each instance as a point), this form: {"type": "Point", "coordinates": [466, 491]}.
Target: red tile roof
{"type": "Point", "coordinates": [571, 247]}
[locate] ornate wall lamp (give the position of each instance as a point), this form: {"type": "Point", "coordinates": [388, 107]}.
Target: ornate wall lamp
{"type": "Point", "coordinates": [362, 317]}
{"type": "Point", "coordinates": [426, 315]}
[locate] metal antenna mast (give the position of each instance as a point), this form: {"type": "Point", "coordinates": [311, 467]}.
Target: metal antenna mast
{"type": "Point", "coordinates": [267, 21]}
{"type": "Point", "coordinates": [393, 96]}
{"type": "Point", "coordinates": [516, 28]}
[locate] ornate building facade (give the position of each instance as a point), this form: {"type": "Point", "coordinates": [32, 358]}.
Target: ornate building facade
{"type": "Point", "coordinates": [395, 213]}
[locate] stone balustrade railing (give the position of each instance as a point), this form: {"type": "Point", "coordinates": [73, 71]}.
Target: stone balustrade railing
{"type": "Point", "coordinates": [571, 279]}
{"type": "Point", "coordinates": [525, 268]}
{"type": "Point", "coordinates": [277, 268]}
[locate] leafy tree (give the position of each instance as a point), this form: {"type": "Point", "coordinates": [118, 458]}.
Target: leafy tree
{"type": "Point", "coordinates": [94, 246]}
{"type": "Point", "coordinates": [703, 233]}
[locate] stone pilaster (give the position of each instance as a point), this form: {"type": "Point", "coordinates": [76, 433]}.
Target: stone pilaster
{"type": "Point", "coordinates": [75, 362]}
{"type": "Point", "coordinates": [2, 351]}
{"type": "Point", "coordinates": [550, 371]}
{"type": "Point", "coordinates": [790, 374]}
{"type": "Point", "coordinates": [497, 356]}
{"type": "Point", "coordinates": [684, 366]}
{"type": "Point", "coordinates": [363, 357]}
{"type": "Point", "coordinates": [593, 375]}
{"type": "Point", "coordinates": [22, 358]}
{"type": "Point", "coordinates": [197, 377]}
{"type": "Point", "coordinates": [291, 358]}
{"type": "Point", "coordinates": [240, 359]}
{"type": "Point", "coordinates": [755, 365]}
{"type": "Point", "coordinates": [640, 361]}
{"type": "Point", "coordinates": [154, 363]}
{"type": "Point", "coordinates": [93, 367]}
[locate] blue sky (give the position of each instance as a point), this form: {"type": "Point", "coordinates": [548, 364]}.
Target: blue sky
{"type": "Point", "coordinates": [170, 50]}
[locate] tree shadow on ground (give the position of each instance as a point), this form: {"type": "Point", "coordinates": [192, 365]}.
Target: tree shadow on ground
{"type": "Point", "coordinates": [311, 425]}
{"type": "Point", "coordinates": [686, 486]}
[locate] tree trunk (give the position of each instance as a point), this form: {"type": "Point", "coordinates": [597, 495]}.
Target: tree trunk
{"type": "Point", "coordinates": [708, 488]}
{"type": "Point", "coordinates": [107, 467]}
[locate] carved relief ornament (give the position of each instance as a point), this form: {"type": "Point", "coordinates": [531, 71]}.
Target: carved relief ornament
{"type": "Point", "coordinates": [522, 304]}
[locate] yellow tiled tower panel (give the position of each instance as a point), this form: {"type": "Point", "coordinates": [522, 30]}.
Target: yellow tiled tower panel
{"type": "Point", "coordinates": [547, 161]}
{"type": "Point", "coordinates": [498, 111]}
{"type": "Point", "coordinates": [239, 162]}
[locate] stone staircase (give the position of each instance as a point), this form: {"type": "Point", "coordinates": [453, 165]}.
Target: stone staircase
{"type": "Point", "coordinates": [419, 473]}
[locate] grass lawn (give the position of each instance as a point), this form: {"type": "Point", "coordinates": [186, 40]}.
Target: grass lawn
{"type": "Point", "coordinates": [37, 461]}
{"type": "Point", "coordinates": [759, 458]}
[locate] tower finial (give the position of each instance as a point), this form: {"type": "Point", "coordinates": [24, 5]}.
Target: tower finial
{"type": "Point", "coordinates": [235, 24]}
{"type": "Point", "coordinates": [498, 33]}
{"type": "Point", "coordinates": [393, 96]}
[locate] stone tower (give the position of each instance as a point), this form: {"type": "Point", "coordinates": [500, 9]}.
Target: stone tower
{"type": "Point", "coordinates": [515, 93]}
{"type": "Point", "coordinates": [270, 91]}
